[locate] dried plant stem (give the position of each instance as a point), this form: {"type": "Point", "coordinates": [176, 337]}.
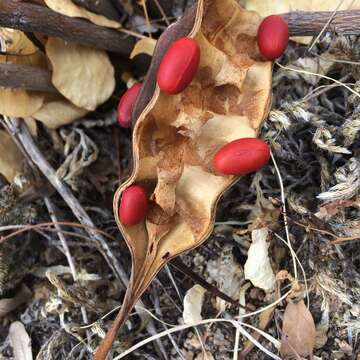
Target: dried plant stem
{"type": "Point", "coordinates": [18, 129]}
{"type": "Point", "coordinates": [35, 18]}
{"type": "Point", "coordinates": [337, 239]}
{"type": "Point", "coordinates": [283, 200]}
{"type": "Point", "coordinates": [162, 12]}
{"type": "Point", "coordinates": [311, 23]}
{"type": "Point", "coordinates": [318, 75]}
{"type": "Point", "coordinates": [27, 77]}
{"type": "Point", "coordinates": [52, 213]}
{"type": "Point", "coordinates": [143, 4]}
{"type": "Point", "coordinates": [23, 228]}
{"type": "Point", "coordinates": [180, 266]}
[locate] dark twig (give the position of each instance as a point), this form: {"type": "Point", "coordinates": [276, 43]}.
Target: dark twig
{"type": "Point", "coordinates": [309, 23]}
{"type": "Point", "coordinates": [27, 77]}
{"type": "Point", "coordinates": [35, 18]}
{"type": "Point", "coordinates": [180, 266]}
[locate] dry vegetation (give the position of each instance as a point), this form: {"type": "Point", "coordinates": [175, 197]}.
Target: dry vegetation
{"type": "Point", "coordinates": [57, 275]}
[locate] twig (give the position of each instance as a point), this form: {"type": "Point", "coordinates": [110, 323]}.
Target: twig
{"type": "Point", "coordinates": [19, 130]}
{"type": "Point", "coordinates": [180, 266]}
{"type": "Point", "coordinates": [337, 239]}
{"type": "Point", "coordinates": [283, 200]}
{"type": "Point", "coordinates": [51, 209]}
{"type": "Point", "coordinates": [309, 23]}
{"type": "Point", "coordinates": [162, 12]}
{"type": "Point", "coordinates": [34, 18]}
{"type": "Point", "coordinates": [23, 228]}
{"type": "Point", "coordinates": [26, 77]}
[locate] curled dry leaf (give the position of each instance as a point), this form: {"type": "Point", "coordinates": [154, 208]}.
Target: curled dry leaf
{"type": "Point", "coordinates": [193, 302]}
{"type": "Point", "coordinates": [68, 8]}
{"type": "Point", "coordinates": [20, 341]}
{"type": "Point", "coordinates": [83, 75]}
{"type": "Point", "coordinates": [257, 267]}
{"type": "Point", "coordinates": [227, 100]}
{"type": "Point", "coordinates": [11, 157]}
{"type": "Point", "coordinates": [298, 331]}
{"type": "Point", "coordinates": [56, 113]}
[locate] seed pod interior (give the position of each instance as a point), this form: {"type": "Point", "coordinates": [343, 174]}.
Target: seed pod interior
{"type": "Point", "coordinates": [176, 136]}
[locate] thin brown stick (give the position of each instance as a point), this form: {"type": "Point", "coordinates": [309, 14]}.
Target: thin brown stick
{"type": "Point", "coordinates": [35, 18]}
{"type": "Point", "coordinates": [180, 266]}
{"type": "Point", "coordinates": [29, 227]}
{"type": "Point", "coordinates": [337, 239]}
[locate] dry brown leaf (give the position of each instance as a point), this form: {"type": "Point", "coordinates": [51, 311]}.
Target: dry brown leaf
{"type": "Point", "coordinates": [11, 157]}
{"type": "Point", "coordinates": [18, 102]}
{"type": "Point", "coordinates": [229, 107]}
{"type": "Point", "coordinates": [20, 341]}
{"type": "Point", "coordinates": [56, 113]}
{"type": "Point", "coordinates": [83, 75]}
{"type": "Point", "coordinates": [15, 42]}
{"type": "Point", "coordinates": [68, 8]}
{"type": "Point", "coordinates": [298, 331]}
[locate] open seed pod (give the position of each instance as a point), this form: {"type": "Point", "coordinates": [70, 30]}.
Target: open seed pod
{"type": "Point", "coordinates": [175, 138]}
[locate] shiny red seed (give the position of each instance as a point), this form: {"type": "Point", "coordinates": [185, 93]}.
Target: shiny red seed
{"type": "Point", "coordinates": [126, 105]}
{"type": "Point", "coordinates": [133, 205]}
{"type": "Point", "coordinates": [241, 157]}
{"type": "Point", "coordinates": [178, 66]}
{"type": "Point", "coordinates": [273, 37]}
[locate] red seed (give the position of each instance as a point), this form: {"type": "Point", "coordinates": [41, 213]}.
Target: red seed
{"type": "Point", "coordinates": [241, 157]}
{"type": "Point", "coordinates": [273, 37]}
{"type": "Point", "coordinates": [133, 206]}
{"type": "Point", "coordinates": [126, 105]}
{"type": "Point", "coordinates": [179, 66]}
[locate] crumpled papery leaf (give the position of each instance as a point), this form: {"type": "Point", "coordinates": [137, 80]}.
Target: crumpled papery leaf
{"type": "Point", "coordinates": [68, 8]}
{"type": "Point", "coordinates": [56, 113]}
{"type": "Point", "coordinates": [176, 136]}
{"type": "Point", "coordinates": [298, 331]}
{"type": "Point", "coordinates": [19, 102]}
{"type": "Point", "coordinates": [257, 268]}
{"type": "Point", "coordinates": [83, 75]}
{"type": "Point", "coordinates": [11, 157]}
{"type": "Point", "coordinates": [193, 302]}
{"type": "Point", "coordinates": [20, 341]}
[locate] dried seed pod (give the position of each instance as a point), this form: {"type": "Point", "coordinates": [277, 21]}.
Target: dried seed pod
{"type": "Point", "coordinates": [273, 37]}
{"type": "Point", "coordinates": [179, 66]}
{"type": "Point", "coordinates": [241, 156]}
{"type": "Point", "coordinates": [176, 137]}
{"type": "Point", "coordinates": [133, 206]}
{"type": "Point", "coordinates": [126, 105]}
